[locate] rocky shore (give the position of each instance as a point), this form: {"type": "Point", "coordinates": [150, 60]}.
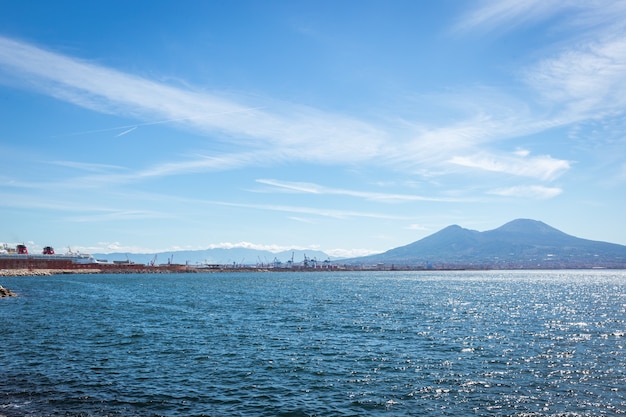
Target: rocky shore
{"type": "Point", "coordinates": [22, 272]}
{"type": "Point", "coordinates": [6, 292]}
{"type": "Point", "coordinates": [44, 272]}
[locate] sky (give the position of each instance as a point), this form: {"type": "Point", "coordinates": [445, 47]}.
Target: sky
{"type": "Point", "coordinates": [351, 126]}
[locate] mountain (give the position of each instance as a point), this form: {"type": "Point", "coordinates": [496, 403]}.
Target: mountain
{"type": "Point", "coordinates": [521, 243]}
{"type": "Point", "coordinates": [238, 256]}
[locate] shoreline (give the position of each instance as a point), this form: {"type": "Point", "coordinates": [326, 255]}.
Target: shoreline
{"type": "Point", "coordinates": [42, 272]}
{"type": "Point", "coordinates": [171, 269]}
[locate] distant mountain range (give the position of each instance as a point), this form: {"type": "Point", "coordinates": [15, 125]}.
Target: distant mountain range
{"type": "Point", "coordinates": [220, 256]}
{"type": "Point", "coordinates": [521, 243]}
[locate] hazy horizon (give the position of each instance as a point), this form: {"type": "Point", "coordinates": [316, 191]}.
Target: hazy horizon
{"type": "Point", "coordinates": [275, 250]}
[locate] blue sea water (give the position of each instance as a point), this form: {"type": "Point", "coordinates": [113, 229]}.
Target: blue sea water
{"type": "Point", "coordinates": [315, 344]}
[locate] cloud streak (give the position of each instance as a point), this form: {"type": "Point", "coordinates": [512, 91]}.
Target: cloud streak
{"type": "Point", "coordinates": [278, 132]}
{"type": "Point", "coordinates": [519, 164]}
{"type": "Point", "coordinates": [311, 188]}
{"type": "Point", "coordinates": [581, 77]}
{"type": "Point", "coordinates": [530, 191]}
{"type": "Point", "coordinates": [333, 213]}
{"type": "Point", "coordinates": [87, 166]}
{"type": "Point", "coordinates": [303, 132]}
{"type": "Point", "coordinates": [126, 132]}
{"type": "Point", "coordinates": [290, 131]}
{"type": "Point", "coordinates": [511, 13]}
{"type": "Point", "coordinates": [507, 15]}
{"type": "Point", "coordinates": [586, 79]}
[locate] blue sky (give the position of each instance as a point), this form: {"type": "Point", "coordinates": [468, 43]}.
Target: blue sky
{"type": "Point", "coordinates": [350, 127]}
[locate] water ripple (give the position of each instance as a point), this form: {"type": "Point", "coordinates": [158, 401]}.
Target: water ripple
{"type": "Point", "coordinates": [327, 344]}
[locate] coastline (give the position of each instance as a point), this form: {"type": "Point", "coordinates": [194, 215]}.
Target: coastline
{"type": "Point", "coordinates": [44, 272]}
{"type": "Point", "coordinates": [187, 269]}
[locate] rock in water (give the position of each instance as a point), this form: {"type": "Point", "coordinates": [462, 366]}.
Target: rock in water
{"type": "Point", "coordinates": [6, 293]}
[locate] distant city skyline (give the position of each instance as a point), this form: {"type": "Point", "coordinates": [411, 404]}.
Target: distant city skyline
{"type": "Point", "coordinates": [347, 127]}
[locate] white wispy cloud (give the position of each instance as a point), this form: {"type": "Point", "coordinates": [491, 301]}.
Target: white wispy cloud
{"type": "Point", "coordinates": [258, 246]}
{"type": "Point", "coordinates": [121, 214]}
{"type": "Point", "coordinates": [337, 214]}
{"type": "Point", "coordinates": [112, 247]}
{"type": "Point", "coordinates": [110, 175]}
{"type": "Point", "coordinates": [416, 226]}
{"type": "Point", "coordinates": [125, 132]}
{"type": "Point", "coordinates": [86, 166]}
{"type": "Point", "coordinates": [528, 191]}
{"type": "Point", "coordinates": [13, 182]}
{"type": "Point", "coordinates": [490, 15]}
{"type": "Point", "coordinates": [200, 163]}
{"type": "Point", "coordinates": [311, 188]}
{"type": "Point", "coordinates": [302, 220]}
{"type": "Point", "coordinates": [587, 78]}
{"type": "Point", "coordinates": [32, 201]}
{"type": "Point", "coordinates": [77, 209]}
{"type": "Point", "coordinates": [542, 167]}
{"type": "Point", "coordinates": [350, 253]}
{"type": "Point", "coordinates": [581, 76]}
{"type": "Point", "coordinates": [271, 133]}
{"type": "Point", "coordinates": [278, 131]}
{"type": "Point", "coordinates": [428, 150]}
{"type": "Point", "coordinates": [301, 132]}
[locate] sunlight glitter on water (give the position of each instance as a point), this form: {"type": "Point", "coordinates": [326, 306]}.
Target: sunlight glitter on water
{"type": "Point", "coordinates": [334, 344]}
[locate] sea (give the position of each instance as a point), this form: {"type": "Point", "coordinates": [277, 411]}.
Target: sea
{"type": "Point", "coordinates": [481, 343]}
